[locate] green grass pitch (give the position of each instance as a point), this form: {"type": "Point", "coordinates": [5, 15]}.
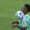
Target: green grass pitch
{"type": "Point", "coordinates": [7, 12]}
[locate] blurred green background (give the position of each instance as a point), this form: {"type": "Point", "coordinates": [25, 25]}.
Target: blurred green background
{"type": "Point", "coordinates": [7, 12]}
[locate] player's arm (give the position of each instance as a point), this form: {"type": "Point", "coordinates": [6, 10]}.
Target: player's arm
{"type": "Point", "coordinates": [21, 27]}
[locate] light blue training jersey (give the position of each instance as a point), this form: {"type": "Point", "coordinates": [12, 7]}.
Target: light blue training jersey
{"type": "Point", "coordinates": [24, 22]}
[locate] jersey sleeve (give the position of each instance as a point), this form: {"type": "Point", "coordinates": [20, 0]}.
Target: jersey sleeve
{"type": "Point", "coordinates": [26, 18]}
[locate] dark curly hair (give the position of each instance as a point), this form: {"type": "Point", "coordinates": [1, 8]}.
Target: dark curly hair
{"type": "Point", "coordinates": [28, 7]}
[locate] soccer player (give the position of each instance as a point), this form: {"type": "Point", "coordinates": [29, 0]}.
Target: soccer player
{"type": "Point", "coordinates": [23, 23]}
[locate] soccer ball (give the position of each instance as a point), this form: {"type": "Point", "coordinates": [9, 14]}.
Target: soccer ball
{"type": "Point", "coordinates": [19, 14]}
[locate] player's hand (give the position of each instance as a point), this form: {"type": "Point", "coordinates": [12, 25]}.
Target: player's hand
{"type": "Point", "coordinates": [14, 25]}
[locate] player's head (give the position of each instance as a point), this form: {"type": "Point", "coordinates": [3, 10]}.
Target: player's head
{"type": "Point", "coordinates": [26, 8]}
